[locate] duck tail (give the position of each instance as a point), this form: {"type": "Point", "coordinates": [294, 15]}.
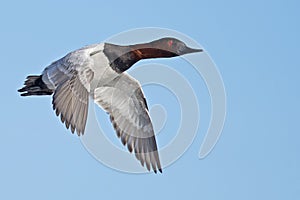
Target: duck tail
{"type": "Point", "coordinates": [34, 85]}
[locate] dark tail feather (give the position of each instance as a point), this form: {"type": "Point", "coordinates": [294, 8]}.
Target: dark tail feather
{"type": "Point", "coordinates": [34, 85]}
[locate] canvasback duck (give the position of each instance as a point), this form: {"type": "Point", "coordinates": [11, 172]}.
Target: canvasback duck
{"type": "Point", "coordinates": [98, 72]}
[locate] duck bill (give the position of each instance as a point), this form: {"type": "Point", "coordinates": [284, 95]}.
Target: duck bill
{"type": "Point", "coordinates": [191, 50]}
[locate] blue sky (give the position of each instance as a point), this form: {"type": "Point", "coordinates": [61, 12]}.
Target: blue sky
{"type": "Point", "coordinates": [255, 45]}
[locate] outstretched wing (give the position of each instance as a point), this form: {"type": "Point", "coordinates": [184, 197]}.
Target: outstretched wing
{"type": "Point", "coordinates": [124, 100]}
{"type": "Point", "coordinates": [71, 80]}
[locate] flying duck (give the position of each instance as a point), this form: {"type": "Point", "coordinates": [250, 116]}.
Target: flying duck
{"type": "Point", "coordinates": [98, 72]}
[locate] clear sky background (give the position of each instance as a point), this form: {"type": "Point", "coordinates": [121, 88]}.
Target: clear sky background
{"type": "Point", "coordinates": [255, 45]}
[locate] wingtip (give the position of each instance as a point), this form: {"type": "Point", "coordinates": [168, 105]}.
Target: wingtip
{"type": "Point", "coordinates": [129, 147]}
{"type": "Point", "coordinates": [78, 132]}
{"type": "Point", "coordinates": [155, 171]}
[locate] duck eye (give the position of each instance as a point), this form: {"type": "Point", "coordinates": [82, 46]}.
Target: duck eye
{"type": "Point", "coordinates": [170, 43]}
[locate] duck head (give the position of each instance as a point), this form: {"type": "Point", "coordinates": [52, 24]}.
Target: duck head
{"type": "Point", "coordinates": [122, 58]}
{"type": "Point", "coordinates": [172, 47]}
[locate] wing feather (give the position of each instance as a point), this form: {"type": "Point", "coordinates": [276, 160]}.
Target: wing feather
{"type": "Point", "coordinates": [123, 99]}
{"type": "Point", "coordinates": [71, 81]}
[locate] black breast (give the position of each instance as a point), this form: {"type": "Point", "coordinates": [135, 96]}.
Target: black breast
{"type": "Point", "coordinates": [120, 58]}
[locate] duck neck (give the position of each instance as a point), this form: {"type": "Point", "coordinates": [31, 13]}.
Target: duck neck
{"type": "Point", "coordinates": [122, 58]}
